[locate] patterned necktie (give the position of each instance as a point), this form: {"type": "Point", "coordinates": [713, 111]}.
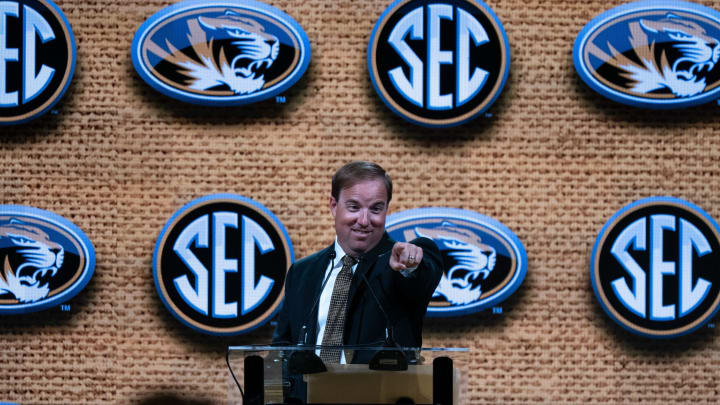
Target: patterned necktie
{"type": "Point", "coordinates": [335, 324]}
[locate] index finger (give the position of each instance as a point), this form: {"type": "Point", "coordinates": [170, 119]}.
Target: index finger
{"type": "Point", "coordinates": [398, 249]}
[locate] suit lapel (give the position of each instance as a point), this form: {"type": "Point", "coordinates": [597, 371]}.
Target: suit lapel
{"type": "Point", "coordinates": [357, 281]}
{"type": "Point", "coordinates": [317, 270]}
{"type": "Point", "coordinates": [367, 263]}
{"type": "Point", "coordinates": [316, 276]}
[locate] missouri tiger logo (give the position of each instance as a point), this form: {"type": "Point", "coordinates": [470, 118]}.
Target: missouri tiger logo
{"type": "Point", "coordinates": [652, 54]}
{"type": "Point", "coordinates": [37, 260]}
{"type": "Point", "coordinates": [484, 261]}
{"type": "Point", "coordinates": [474, 261]}
{"type": "Point", "coordinates": [37, 59]}
{"type": "Point", "coordinates": [220, 53]}
{"type": "Point", "coordinates": [256, 52]}
{"type": "Point", "coordinates": [45, 259]}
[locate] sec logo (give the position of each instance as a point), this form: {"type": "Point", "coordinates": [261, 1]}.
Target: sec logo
{"type": "Point", "coordinates": [220, 53]}
{"type": "Point", "coordinates": [484, 262]}
{"type": "Point", "coordinates": [37, 59]}
{"type": "Point", "coordinates": [655, 267]}
{"type": "Point", "coordinates": [219, 264]}
{"type": "Point", "coordinates": [652, 54]}
{"type": "Point", "coordinates": [438, 63]}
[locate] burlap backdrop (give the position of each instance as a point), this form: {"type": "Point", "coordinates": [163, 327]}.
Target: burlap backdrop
{"type": "Point", "coordinates": [553, 163]}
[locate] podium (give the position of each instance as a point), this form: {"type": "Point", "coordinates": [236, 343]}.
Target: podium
{"type": "Point", "coordinates": [372, 375]}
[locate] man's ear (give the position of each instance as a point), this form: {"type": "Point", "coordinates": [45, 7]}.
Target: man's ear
{"type": "Point", "coordinates": [333, 205]}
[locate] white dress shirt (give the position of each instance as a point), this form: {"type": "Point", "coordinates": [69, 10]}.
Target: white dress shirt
{"type": "Point", "coordinates": [326, 295]}
{"type": "Point", "coordinates": [334, 268]}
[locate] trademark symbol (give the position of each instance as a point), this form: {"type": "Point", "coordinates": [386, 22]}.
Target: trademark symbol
{"type": "Point", "coordinates": [54, 112]}
{"type": "Point", "coordinates": [497, 310]}
{"type": "Point", "coordinates": [711, 325]}
{"type": "Point", "coordinates": [280, 99]}
{"type": "Point", "coordinates": [488, 115]}
{"type": "Point", "coordinates": [65, 307]}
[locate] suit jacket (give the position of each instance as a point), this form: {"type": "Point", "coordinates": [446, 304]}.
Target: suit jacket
{"type": "Point", "coordinates": [405, 299]}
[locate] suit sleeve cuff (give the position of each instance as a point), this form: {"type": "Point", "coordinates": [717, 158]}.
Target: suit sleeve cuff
{"type": "Point", "coordinates": [409, 271]}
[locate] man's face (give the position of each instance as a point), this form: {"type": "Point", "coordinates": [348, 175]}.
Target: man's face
{"type": "Point", "coordinates": [359, 214]}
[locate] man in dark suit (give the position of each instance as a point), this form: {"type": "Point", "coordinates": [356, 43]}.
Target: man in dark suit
{"type": "Point", "coordinates": [403, 276]}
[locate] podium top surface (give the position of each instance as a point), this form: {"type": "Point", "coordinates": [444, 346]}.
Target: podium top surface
{"type": "Point", "coordinates": [300, 348]}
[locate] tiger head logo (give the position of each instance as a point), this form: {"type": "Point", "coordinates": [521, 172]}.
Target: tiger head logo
{"type": "Point", "coordinates": [475, 260]}
{"type": "Point", "coordinates": [32, 259]}
{"type": "Point", "coordinates": [241, 40]}
{"type": "Point", "coordinates": [668, 55]}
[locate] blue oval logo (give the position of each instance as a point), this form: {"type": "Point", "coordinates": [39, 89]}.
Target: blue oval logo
{"type": "Point", "coordinates": [654, 267]}
{"type": "Point", "coordinates": [652, 54]}
{"type": "Point", "coordinates": [484, 261]}
{"type": "Point", "coordinates": [220, 53]}
{"type": "Point", "coordinates": [37, 59]}
{"type": "Point", "coordinates": [438, 63]}
{"type": "Point", "coordinates": [45, 259]}
{"type": "Point", "coordinates": [220, 262]}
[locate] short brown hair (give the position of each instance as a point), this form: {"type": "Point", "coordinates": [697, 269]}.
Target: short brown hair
{"type": "Point", "coordinates": [355, 172]}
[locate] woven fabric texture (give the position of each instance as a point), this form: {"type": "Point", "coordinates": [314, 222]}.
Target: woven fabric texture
{"type": "Point", "coordinates": [552, 160]}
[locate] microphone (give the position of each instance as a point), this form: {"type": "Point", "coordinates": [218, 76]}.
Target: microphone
{"type": "Point", "coordinates": [389, 329]}
{"type": "Point", "coordinates": [391, 360]}
{"type": "Point", "coordinates": [306, 361]}
{"type": "Point", "coordinates": [302, 339]}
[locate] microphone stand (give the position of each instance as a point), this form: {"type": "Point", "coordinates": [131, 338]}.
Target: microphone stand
{"type": "Point", "coordinates": [389, 360]}
{"type": "Point", "coordinates": [306, 361]}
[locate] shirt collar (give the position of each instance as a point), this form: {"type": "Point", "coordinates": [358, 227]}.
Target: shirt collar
{"type": "Point", "coordinates": [378, 249]}
{"type": "Point", "coordinates": [339, 254]}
